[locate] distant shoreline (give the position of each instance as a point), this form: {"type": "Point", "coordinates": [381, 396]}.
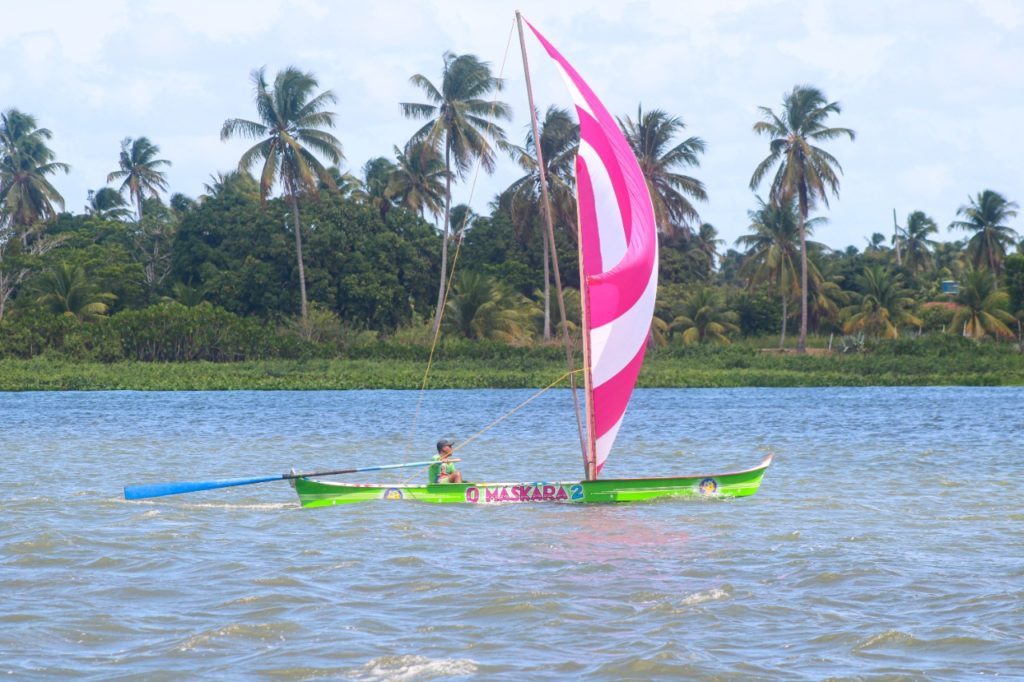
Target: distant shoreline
{"type": "Point", "coordinates": [726, 369]}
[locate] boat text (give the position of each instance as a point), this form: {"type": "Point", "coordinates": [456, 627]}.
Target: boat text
{"type": "Point", "coordinates": [527, 492]}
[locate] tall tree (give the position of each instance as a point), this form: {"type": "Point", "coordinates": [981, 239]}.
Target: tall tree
{"type": "Point", "coordinates": [985, 215]}
{"type": "Point", "coordinates": [290, 133]}
{"type": "Point", "coordinates": [107, 203]}
{"type": "Point", "coordinates": [651, 136]}
{"type": "Point", "coordinates": [417, 181]}
{"type": "Point", "coordinates": [559, 140]}
{"type": "Point", "coordinates": [461, 121]}
{"type": "Point", "coordinates": [917, 255]}
{"type": "Point", "coordinates": [139, 170]}
{"type": "Point", "coordinates": [804, 171]}
{"type": "Point", "coordinates": [26, 194]}
{"type": "Point", "coordinates": [773, 251]}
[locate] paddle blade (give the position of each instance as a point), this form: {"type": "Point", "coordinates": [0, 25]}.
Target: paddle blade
{"type": "Point", "coordinates": [139, 492]}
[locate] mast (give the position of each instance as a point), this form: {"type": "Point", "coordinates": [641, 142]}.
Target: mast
{"type": "Point", "coordinates": [588, 464]}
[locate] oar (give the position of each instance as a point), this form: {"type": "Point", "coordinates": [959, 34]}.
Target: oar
{"type": "Point", "coordinates": [139, 492]}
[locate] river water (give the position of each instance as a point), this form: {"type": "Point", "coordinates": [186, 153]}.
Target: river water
{"type": "Point", "coordinates": [887, 541]}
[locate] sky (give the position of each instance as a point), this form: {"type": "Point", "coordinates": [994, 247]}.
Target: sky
{"type": "Point", "coordinates": [934, 90]}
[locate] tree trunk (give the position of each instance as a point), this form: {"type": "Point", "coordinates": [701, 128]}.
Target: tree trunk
{"type": "Point", "coordinates": [298, 252]}
{"type": "Point", "coordinates": [547, 294]}
{"type": "Point", "coordinates": [782, 335]}
{"type": "Point", "coordinates": [801, 346]}
{"type": "Point", "coordinates": [444, 238]}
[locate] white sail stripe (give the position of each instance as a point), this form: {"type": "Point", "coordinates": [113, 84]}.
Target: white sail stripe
{"type": "Point", "coordinates": [611, 232]}
{"type": "Point", "coordinates": [630, 332]}
{"type": "Point", "coordinates": [603, 446]}
{"type": "Point", "coordinates": [577, 97]}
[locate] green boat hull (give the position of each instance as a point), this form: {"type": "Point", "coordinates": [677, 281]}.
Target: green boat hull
{"type": "Point", "coordinates": [320, 493]}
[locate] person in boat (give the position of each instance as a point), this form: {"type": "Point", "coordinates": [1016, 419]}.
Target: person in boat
{"type": "Point", "coordinates": [443, 470]}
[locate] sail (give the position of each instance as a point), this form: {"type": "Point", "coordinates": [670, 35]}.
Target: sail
{"type": "Point", "coordinates": [618, 262]}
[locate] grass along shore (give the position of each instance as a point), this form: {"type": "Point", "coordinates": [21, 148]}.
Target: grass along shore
{"type": "Point", "coordinates": [909, 363]}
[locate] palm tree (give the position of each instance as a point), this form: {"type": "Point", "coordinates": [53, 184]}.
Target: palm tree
{"type": "Point", "coordinates": [805, 171]}
{"type": "Point", "coordinates": [65, 290]}
{"type": "Point", "coordinates": [482, 308]}
{"type": "Point", "coordinates": [985, 215]}
{"type": "Point", "coordinates": [463, 216]}
{"type": "Point", "coordinates": [377, 174]}
{"type": "Point", "coordinates": [705, 318]}
{"type": "Point", "coordinates": [461, 121]}
{"type": "Point", "coordinates": [138, 170]}
{"type": "Point", "coordinates": [417, 179]}
{"type": "Point", "coordinates": [982, 308]}
{"type": "Point", "coordinates": [233, 182]}
{"type": "Point", "coordinates": [883, 306]}
{"type": "Point", "coordinates": [25, 160]}
{"type": "Point", "coordinates": [772, 250]}
{"type": "Point", "coordinates": [107, 203]}
{"type": "Point", "coordinates": [559, 140]}
{"type": "Point", "coordinates": [913, 238]}
{"type": "Point", "coordinates": [289, 131]}
{"type": "Point", "coordinates": [651, 136]}
{"type": "Point", "coordinates": [707, 243]}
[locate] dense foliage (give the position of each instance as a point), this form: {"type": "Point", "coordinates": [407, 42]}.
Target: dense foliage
{"type": "Point", "coordinates": [339, 266]}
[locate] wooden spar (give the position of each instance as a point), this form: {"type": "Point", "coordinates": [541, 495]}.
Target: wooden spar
{"type": "Point", "coordinates": [587, 459]}
{"type": "Point", "coordinates": [896, 239]}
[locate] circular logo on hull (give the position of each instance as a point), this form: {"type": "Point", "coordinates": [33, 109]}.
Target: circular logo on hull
{"type": "Point", "coordinates": [392, 494]}
{"type": "Point", "coordinates": [708, 486]}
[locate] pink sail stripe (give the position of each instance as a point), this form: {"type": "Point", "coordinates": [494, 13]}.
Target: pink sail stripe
{"type": "Point", "coordinates": [587, 215]}
{"type": "Point", "coordinates": [618, 285]}
{"type": "Point", "coordinates": [597, 137]}
{"type": "Point", "coordinates": [611, 399]}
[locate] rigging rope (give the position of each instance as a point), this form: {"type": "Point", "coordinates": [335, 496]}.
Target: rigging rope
{"type": "Point", "coordinates": [455, 259]}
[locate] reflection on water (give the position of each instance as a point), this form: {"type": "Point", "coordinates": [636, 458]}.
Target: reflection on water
{"type": "Point", "coordinates": [885, 540]}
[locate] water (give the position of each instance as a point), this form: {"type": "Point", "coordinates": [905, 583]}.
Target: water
{"type": "Point", "coordinates": [887, 540]}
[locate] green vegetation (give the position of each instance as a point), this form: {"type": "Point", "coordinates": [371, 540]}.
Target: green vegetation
{"type": "Point", "coordinates": [330, 281]}
{"type": "Point", "coordinates": [938, 360]}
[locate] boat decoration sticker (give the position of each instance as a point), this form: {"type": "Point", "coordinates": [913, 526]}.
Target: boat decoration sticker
{"type": "Point", "coordinates": [708, 486]}
{"type": "Point", "coordinates": [392, 494]}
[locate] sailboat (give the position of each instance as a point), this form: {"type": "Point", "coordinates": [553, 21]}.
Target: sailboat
{"type": "Point", "coordinates": [618, 282]}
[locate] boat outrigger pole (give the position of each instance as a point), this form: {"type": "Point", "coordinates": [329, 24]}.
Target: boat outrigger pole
{"type": "Point", "coordinates": [588, 464]}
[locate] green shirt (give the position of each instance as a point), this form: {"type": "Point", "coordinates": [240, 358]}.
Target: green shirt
{"type": "Point", "coordinates": [437, 469]}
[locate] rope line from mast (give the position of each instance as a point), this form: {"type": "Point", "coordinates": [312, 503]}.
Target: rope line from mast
{"type": "Point", "coordinates": [455, 259]}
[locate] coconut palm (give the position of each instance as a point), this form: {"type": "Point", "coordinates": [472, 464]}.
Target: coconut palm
{"type": "Point", "coordinates": [559, 140]}
{"type": "Point", "coordinates": [883, 304]}
{"type": "Point", "coordinates": [985, 215]}
{"type": "Point", "coordinates": [773, 252]}
{"type": "Point", "coordinates": [235, 182]}
{"type": "Point", "coordinates": [417, 181]}
{"type": "Point", "coordinates": [377, 174]}
{"type": "Point", "coordinates": [107, 203]}
{"type": "Point", "coordinates": [463, 217]}
{"type": "Point", "coordinates": [651, 137]}
{"type": "Point", "coordinates": [704, 318]}
{"type": "Point", "coordinates": [138, 170]}
{"type": "Point", "coordinates": [290, 133]}
{"type": "Point", "coordinates": [460, 120]}
{"type": "Point", "coordinates": [804, 171]}
{"type": "Point", "coordinates": [482, 308]}
{"type": "Point", "coordinates": [26, 195]}
{"type": "Point", "coordinates": [983, 309]}
{"type": "Point", "coordinates": [913, 239]}
{"type": "Point", "coordinates": [65, 290]}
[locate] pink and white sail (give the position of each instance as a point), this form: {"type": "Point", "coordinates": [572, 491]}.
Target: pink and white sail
{"type": "Point", "coordinates": [618, 259]}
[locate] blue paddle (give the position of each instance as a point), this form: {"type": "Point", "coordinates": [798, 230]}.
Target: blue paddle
{"type": "Point", "coordinates": [139, 492]}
